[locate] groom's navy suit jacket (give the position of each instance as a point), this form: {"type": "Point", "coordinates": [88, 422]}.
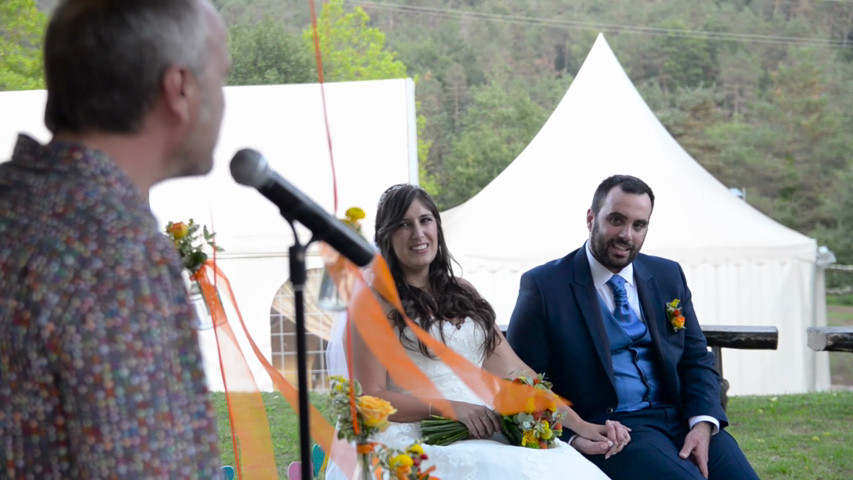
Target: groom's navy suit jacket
{"type": "Point", "coordinates": [557, 328]}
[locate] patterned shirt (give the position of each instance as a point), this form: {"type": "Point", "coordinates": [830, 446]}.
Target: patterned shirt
{"type": "Point", "coordinates": [100, 371]}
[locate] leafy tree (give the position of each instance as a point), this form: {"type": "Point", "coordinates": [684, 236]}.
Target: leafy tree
{"type": "Point", "coordinates": [21, 31]}
{"type": "Point", "coordinates": [497, 126]}
{"type": "Point", "coordinates": [351, 49]}
{"type": "Point", "coordinates": [264, 54]}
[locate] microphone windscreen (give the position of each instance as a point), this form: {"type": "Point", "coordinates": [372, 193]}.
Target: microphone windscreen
{"type": "Point", "coordinates": [248, 167]}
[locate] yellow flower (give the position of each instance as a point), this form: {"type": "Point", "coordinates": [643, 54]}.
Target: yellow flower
{"type": "Point", "coordinates": [529, 438]}
{"type": "Point", "coordinates": [353, 217]}
{"type": "Point", "coordinates": [178, 230]}
{"type": "Point", "coordinates": [417, 449]}
{"type": "Point", "coordinates": [401, 460]}
{"type": "Point", "coordinates": [546, 431]}
{"type": "Point", "coordinates": [355, 214]}
{"type": "Point", "coordinates": [529, 405]}
{"type": "Point", "coordinates": [375, 411]}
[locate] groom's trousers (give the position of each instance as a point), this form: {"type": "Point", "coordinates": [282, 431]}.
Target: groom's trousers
{"type": "Point", "coordinates": [657, 435]}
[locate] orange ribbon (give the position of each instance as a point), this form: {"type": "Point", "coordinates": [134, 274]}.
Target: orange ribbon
{"type": "Point", "coordinates": [250, 427]}
{"type": "Point", "coordinates": [506, 396]}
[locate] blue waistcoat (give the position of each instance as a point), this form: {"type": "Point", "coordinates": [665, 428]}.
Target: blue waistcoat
{"type": "Point", "coordinates": [637, 384]}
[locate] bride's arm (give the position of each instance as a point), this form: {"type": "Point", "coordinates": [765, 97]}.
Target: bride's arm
{"type": "Point", "coordinates": [374, 380]}
{"type": "Point", "coordinates": [503, 361]}
{"type": "Point", "coordinates": [481, 421]}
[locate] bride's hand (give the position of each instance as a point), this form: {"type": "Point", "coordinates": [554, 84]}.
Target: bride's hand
{"type": "Point", "coordinates": [608, 439]}
{"type": "Point", "coordinates": [482, 422]}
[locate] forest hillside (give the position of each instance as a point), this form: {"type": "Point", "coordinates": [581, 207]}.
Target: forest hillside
{"type": "Point", "coordinates": [760, 92]}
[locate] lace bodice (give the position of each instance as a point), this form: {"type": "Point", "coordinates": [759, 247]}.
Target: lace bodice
{"type": "Point", "coordinates": [466, 340]}
{"type": "Point", "coordinates": [476, 459]}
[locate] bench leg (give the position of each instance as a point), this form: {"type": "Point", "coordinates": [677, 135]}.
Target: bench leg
{"type": "Point", "coordinates": [724, 384]}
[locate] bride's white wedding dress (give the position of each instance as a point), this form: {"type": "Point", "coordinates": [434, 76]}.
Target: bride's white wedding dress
{"type": "Point", "coordinates": [478, 459]}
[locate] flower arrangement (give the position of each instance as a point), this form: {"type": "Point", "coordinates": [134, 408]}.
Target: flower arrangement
{"type": "Point", "coordinates": [530, 428]}
{"type": "Point", "coordinates": [185, 236]}
{"type": "Point", "coordinates": [353, 217]}
{"type": "Point", "coordinates": [673, 313]}
{"type": "Point", "coordinates": [534, 428]}
{"type": "Point", "coordinates": [359, 417]}
{"type": "Point", "coordinates": [407, 465]}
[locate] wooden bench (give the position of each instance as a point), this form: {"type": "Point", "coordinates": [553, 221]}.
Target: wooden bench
{"type": "Point", "coordinates": [734, 336]}
{"type": "Point", "coordinates": [830, 339]}
{"type": "Point", "coordinates": [737, 336]}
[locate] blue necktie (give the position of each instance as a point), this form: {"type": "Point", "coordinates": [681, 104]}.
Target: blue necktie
{"type": "Point", "coordinates": [623, 312]}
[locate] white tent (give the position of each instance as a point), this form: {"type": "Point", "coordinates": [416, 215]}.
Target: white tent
{"type": "Point", "coordinates": [743, 268]}
{"type": "Point", "coordinates": [373, 137]}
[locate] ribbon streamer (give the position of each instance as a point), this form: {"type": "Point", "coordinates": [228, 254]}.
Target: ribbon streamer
{"type": "Point", "coordinates": [246, 408]}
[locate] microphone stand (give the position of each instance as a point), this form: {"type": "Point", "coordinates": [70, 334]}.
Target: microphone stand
{"type": "Point", "coordinates": [298, 277]}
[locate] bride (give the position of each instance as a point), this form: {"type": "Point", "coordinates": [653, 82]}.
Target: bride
{"type": "Point", "coordinates": [410, 237]}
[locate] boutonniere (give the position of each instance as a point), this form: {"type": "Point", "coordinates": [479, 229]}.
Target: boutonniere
{"type": "Point", "coordinates": [673, 313]}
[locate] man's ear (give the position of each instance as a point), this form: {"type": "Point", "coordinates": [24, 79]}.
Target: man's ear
{"type": "Point", "coordinates": [590, 217]}
{"type": "Point", "coordinates": [177, 85]}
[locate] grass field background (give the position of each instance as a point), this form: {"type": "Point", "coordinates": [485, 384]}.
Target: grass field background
{"type": "Point", "coordinates": [785, 437]}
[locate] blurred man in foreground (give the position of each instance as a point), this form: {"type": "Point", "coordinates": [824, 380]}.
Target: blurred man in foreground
{"type": "Point", "coordinates": [100, 370]}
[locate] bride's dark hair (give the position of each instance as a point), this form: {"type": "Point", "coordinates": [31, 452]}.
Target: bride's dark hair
{"type": "Point", "coordinates": [451, 298]}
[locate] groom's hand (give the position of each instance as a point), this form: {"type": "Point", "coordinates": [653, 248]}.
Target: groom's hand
{"type": "Point", "coordinates": [696, 446]}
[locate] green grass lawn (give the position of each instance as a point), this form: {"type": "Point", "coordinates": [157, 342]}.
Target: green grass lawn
{"type": "Point", "coordinates": [802, 437]}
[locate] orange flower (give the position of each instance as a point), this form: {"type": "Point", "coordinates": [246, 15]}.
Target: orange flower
{"type": "Point", "coordinates": [365, 448]}
{"type": "Point", "coordinates": [375, 411]}
{"type": "Point", "coordinates": [673, 313]}
{"type": "Point", "coordinates": [178, 230]}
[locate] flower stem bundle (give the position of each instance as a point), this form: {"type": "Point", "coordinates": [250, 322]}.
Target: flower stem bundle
{"type": "Point", "coordinates": [442, 430]}
{"type": "Point", "coordinates": [529, 428]}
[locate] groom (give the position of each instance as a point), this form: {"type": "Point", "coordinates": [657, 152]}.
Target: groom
{"type": "Point", "coordinates": [596, 322]}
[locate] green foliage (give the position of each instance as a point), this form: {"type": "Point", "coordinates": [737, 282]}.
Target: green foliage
{"type": "Point", "coordinates": [494, 129]}
{"type": "Point", "coordinates": [350, 48]}
{"type": "Point", "coordinates": [744, 85]}
{"type": "Point", "coordinates": [21, 31]}
{"type": "Point", "coordinates": [263, 53]}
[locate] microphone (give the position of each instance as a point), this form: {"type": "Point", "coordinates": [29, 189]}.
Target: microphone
{"type": "Point", "coordinates": [248, 167]}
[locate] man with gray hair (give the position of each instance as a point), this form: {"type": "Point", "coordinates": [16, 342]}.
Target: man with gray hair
{"type": "Point", "coordinates": [100, 370]}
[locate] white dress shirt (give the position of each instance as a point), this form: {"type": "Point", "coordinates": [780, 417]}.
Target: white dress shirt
{"type": "Point", "coordinates": [600, 276]}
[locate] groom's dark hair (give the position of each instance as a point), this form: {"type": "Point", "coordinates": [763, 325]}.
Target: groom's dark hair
{"type": "Point", "coordinates": [627, 183]}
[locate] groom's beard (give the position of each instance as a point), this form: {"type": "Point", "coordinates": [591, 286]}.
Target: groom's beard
{"type": "Point", "coordinates": [599, 246]}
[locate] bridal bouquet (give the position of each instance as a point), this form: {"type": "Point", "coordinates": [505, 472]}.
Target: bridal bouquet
{"type": "Point", "coordinates": [529, 428]}
{"type": "Point", "coordinates": [534, 428]}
